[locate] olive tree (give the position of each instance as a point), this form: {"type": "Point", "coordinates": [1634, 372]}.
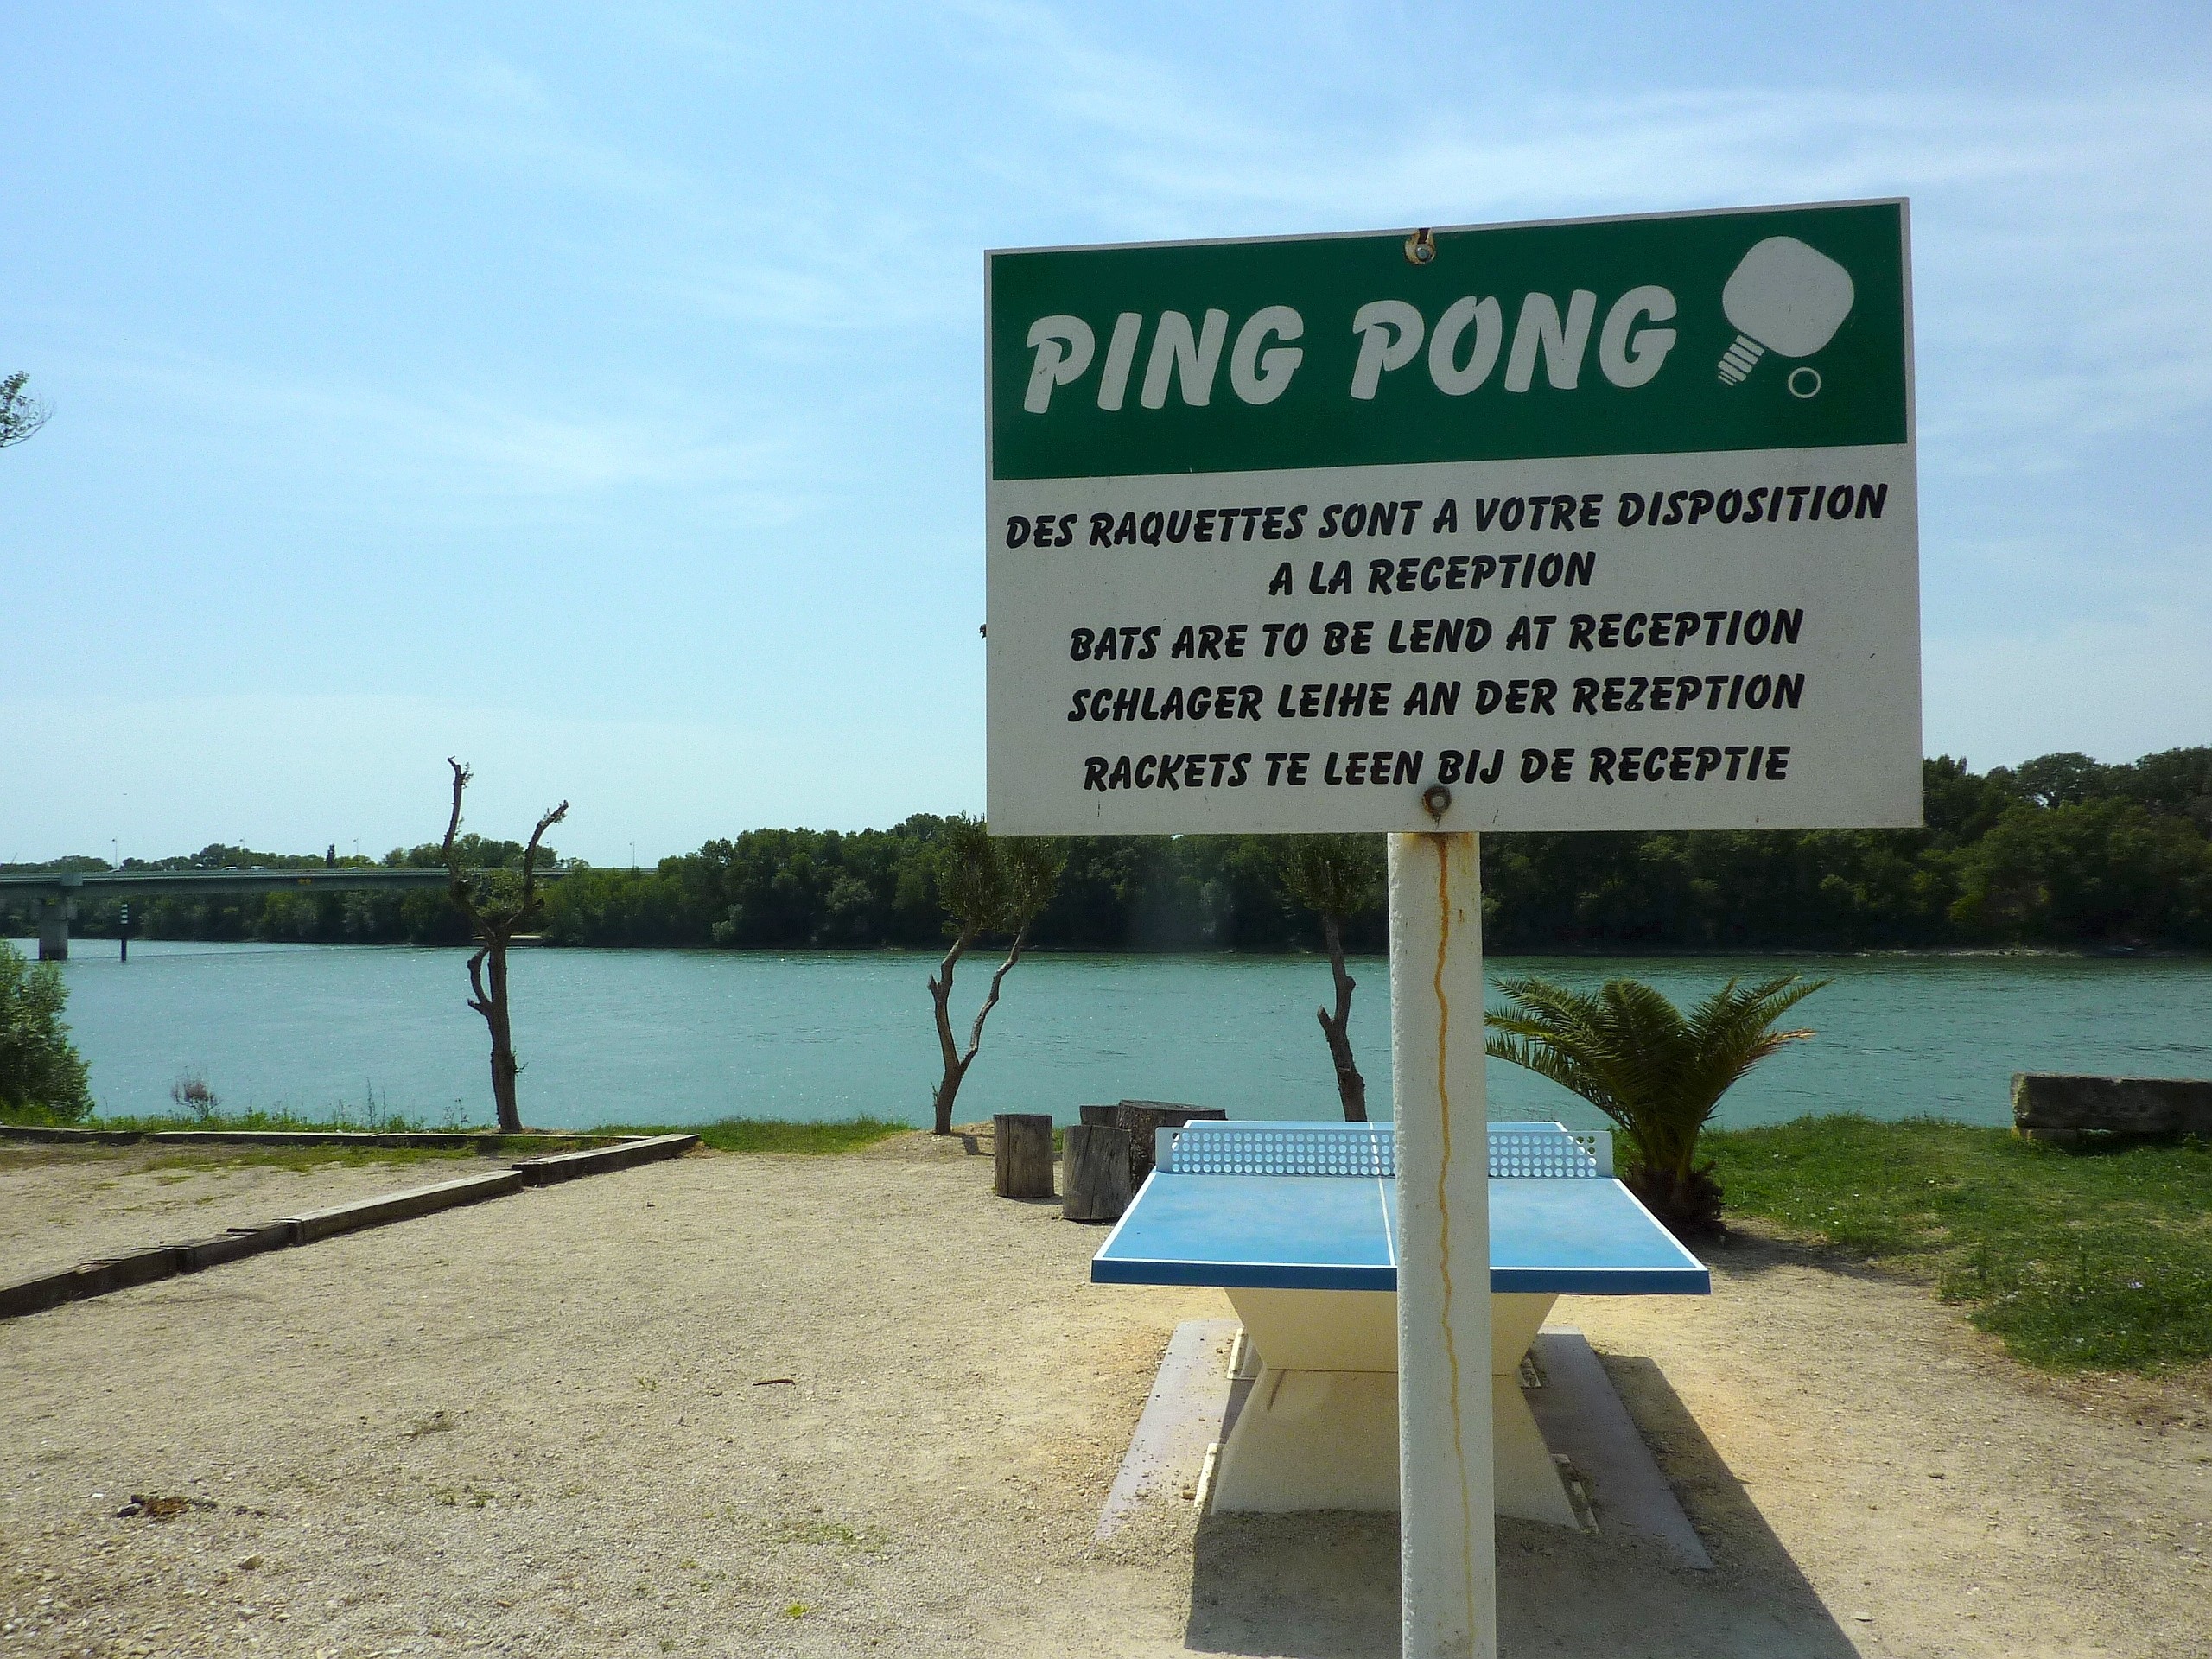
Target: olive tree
{"type": "Point", "coordinates": [20, 414]}
{"type": "Point", "coordinates": [1336, 877]}
{"type": "Point", "coordinates": [986, 886]}
{"type": "Point", "coordinates": [498, 903]}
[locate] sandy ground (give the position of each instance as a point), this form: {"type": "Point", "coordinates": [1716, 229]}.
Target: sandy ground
{"type": "Point", "coordinates": [741, 1406]}
{"type": "Point", "coordinates": [62, 1206]}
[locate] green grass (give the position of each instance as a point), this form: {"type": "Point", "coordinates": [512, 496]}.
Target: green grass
{"type": "Point", "coordinates": [2093, 1259]}
{"type": "Point", "coordinates": [727, 1134]}
{"type": "Point", "coordinates": [342, 1121]}
{"type": "Point", "coordinates": [774, 1134]}
{"type": "Point", "coordinates": [304, 1159]}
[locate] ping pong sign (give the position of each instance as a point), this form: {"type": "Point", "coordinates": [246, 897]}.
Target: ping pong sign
{"type": "Point", "coordinates": [1601, 525]}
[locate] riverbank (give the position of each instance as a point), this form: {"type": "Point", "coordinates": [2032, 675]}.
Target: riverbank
{"type": "Point", "coordinates": [690, 1037]}
{"type": "Point", "coordinates": [26, 944]}
{"type": "Point", "coordinates": [776, 1405]}
{"type": "Point", "coordinates": [2089, 1259]}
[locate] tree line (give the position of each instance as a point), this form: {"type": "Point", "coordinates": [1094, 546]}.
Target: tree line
{"type": "Point", "coordinates": [2062, 851]}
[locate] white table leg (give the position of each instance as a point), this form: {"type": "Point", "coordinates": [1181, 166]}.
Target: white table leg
{"type": "Point", "coordinates": [1320, 1430]}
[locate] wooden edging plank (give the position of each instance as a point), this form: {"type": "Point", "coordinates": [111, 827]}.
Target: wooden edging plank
{"type": "Point", "coordinates": [599, 1161]}
{"type": "Point", "coordinates": [488, 1142]}
{"type": "Point", "coordinates": [119, 1272]}
{"type": "Point", "coordinates": [401, 1206]}
{"type": "Point", "coordinates": [232, 1246]}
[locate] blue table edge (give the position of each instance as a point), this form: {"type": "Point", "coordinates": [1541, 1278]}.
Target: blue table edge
{"type": "Point", "coordinates": [1691, 1278]}
{"type": "Point", "coordinates": [1503, 1282]}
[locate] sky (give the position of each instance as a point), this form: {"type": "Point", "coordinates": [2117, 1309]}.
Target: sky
{"type": "Point", "coordinates": [595, 393]}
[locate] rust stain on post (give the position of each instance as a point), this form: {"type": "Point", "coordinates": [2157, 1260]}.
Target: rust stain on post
{"type": "Point", "coordinates": [1443, 845]}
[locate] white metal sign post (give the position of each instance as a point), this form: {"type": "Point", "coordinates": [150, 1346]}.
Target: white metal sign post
{"type": "Point", "coordinates": [1596, 524]}
{"type": "Point", "coordinates": [1447, 1564]}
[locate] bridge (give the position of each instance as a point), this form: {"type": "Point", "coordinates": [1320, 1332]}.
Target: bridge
{"type": "Point", "coordinates": [54, 894]}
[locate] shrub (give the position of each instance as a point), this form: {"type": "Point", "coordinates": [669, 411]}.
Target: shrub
{"type": "Point", "coordinates": [41, 1075]}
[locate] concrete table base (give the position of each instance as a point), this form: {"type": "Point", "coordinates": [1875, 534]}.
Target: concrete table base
{"type": "Point", "coordinates": [1319, 1429]}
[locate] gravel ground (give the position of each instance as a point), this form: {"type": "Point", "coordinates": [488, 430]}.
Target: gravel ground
{"type": "Point", "coordinates": [61, 1206]}
{"type": "Point", "coordinates": [767, 1406]}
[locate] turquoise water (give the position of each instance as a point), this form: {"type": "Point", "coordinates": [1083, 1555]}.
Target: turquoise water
{"type": "Point", "coordinates": [678, 1036]}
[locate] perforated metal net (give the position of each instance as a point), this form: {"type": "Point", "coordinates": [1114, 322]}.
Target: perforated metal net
{"type": "Point", "coordinates": [1544, 1150]}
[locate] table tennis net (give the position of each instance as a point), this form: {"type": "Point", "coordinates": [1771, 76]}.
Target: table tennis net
{"type": "Point", "coordinates": [1542, 1150]}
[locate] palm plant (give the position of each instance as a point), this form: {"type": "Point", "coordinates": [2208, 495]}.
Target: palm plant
{"type": "Point", "coordinates": [1657, 1072]}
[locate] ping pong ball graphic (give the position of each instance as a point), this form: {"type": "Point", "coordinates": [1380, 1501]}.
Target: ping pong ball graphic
{"type": "Point", "coordinates": [1784, 298]}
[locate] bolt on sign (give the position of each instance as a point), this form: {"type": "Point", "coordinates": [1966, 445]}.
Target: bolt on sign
{"type": "Point", "coordinates": [1600, 524]}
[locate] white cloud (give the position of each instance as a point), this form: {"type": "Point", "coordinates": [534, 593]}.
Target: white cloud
{"type": "Point", "coordinates": [472, 445]}
{"type": "Point", "coordinates": [468, 108]}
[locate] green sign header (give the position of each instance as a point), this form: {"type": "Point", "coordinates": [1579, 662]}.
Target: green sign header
{"type": "Point", "coordinates": [1778, 328]}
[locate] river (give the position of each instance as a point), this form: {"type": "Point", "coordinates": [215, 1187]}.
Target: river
{"type": "Point", "coordinates": [667, 1036]}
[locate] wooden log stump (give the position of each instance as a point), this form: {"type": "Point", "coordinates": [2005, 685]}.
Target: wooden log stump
{"type": "Point", "coordinates": [1021, 1154]}
{"type": "Point", "coordinates": [1096, 1179]}
{"type": "Point", "coordinates": [1144, 1119]}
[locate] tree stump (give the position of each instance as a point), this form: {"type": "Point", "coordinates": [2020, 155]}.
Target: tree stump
{"type": "Point", "coordinates": [1096, 1177]}
{"type": "Point", "coordinates": [1144, 1119]}
{"type": "Point", "coordinates": [1021, 1154]}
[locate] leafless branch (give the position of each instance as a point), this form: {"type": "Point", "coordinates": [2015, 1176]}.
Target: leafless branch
{"type": "Point", "coordinates": [461, 896]}
{"type": "Point", "coordinates": [976, 1032]}
{"type": "Point", "coordinates": [529, 855]}
{"type": "Point", "coordinates": [480, 1002]}
{"type": "Point", "coordinates": [941, 996]}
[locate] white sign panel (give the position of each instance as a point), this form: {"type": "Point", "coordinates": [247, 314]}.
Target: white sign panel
{"type": "Point", "coordinates": [1602, 525]}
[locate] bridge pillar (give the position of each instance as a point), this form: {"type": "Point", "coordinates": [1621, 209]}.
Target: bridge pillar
{"type": "Point", "coordinates": [54, 916]}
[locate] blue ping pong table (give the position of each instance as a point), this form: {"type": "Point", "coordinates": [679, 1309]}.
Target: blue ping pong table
{"type": "Point", "coordinates": [1298, 1222]}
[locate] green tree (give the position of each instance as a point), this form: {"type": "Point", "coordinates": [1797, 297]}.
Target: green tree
{"type": "Point", "coordinates": [2067, 778]}
{"type": "Point", "coordinates": [986, 886]}
{"type": "Point", "coordinates": [1657, 1074]}
{"type": "Point", "coordinates": [20, 414]}
{"type": "Point", "coordinates": [2105, 872]}
{"type": "Point", "coordinates": [41, 1075]}
{"type": "Point", "coordinates": [1335, 877]}
{"type": "Point", "coordinates": [2179, 781]}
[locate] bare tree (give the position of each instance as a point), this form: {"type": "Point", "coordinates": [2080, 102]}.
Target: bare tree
{"type": "Point", "coordinates": [1336, 877]}
{"type": "Point", "coordinates": [20, 414]}
{"type": "Point", "coordinates": [499, 904]}
{"type": "Point", "coordinates": [986, 886]}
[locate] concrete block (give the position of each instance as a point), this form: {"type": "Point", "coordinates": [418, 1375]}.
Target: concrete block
{"type": "Point", "coordinates": [1583, 1420]}
{"type": "Point", "coordinates": [2053, 1106]}
{"type": "Point", "coordinates": [1187, 1412]}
